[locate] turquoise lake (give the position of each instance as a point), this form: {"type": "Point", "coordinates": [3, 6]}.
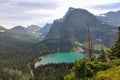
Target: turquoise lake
{"type": "Point", "coordinates": [60, 58]}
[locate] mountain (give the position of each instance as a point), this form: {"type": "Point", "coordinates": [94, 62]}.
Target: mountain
{"type": "Point", "coordinates": [64, 17]}
{"type": "Point", "coordinates": [111, 17]}
{"type": "Point", "coordinates": [2, 29]}
{"type": "Point", "coordinates": [19, 29]}
{"type": "Point", "coordinates": [14, 37]}
{"type": "Point", "coordinates": [20, 34]}
{"type": "Point", "coordinates": [44, 30]}
{"type": "Point", "coordinates": [74, 29]}
{"type": "Point", "coordinates": [69, 10]}
{"type": "Point", "coordinates": [33, 28]}
{"type": "Point", "coordinates": [30, 30]}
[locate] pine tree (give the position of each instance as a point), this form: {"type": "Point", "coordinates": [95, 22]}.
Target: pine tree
{"type": "Point", "coordinates": [103, 56]}
{"type": "Point", "coordinates": [114, 52]}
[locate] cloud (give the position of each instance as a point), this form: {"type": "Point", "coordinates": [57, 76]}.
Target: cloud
{"type": "Point", "coordinates": [40, 5]}
{"type": "Point", "coordinates": [26, 12]}
{"type": "Point", "coordinates": [107, 6]}
{"type": "Point", "coordinates": [15, 5]}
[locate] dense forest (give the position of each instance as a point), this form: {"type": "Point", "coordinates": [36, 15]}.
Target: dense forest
{"type": "Point", "coordinates": [15, 54]}
{"type": "Point", "coordinates": [52, 71]}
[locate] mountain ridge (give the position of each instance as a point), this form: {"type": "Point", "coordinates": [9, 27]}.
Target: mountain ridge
{"type": "Point", "coordinates": [19, 29]}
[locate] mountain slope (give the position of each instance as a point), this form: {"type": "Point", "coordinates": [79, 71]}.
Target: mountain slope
{"type": "Point", "coordinates": [53, 45]}
{"type": "Point", "coordinates": [13, 37]}
{"type": "Point", "coordinates": [74, 28]}
{"type": "Point", "coordinates": [2, 28]}
{"type": "Point", "coordinates": [44, 30]}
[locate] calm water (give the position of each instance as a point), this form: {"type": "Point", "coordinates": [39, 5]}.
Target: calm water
{"type": "Point", "coordinates": [60, 57]}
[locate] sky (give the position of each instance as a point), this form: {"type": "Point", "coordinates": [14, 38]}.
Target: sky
{"type": "Point", "coordinates": [40, 12]}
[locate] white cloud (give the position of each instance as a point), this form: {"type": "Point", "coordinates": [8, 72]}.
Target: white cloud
{"type": "Point", "coordinates": [22, 12]}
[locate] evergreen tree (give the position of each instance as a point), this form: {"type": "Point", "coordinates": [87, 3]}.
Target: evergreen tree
{"type": "Point", "coordinates": [114, 52]}
{"type": "Point", "coordinates": [103, 56]}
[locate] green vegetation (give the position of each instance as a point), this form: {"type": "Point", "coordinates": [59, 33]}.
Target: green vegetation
{"type": "Point", "coordinates": [52, 71]}
{"type": "Point", "coordinates": [98, 69]}
{"type": "Point", "coordinates": [110, 74]}
{"type": "Point", "coordinates": [18, 55]}
{"type": "Point", "coordinates": [13, 74]}
{"type": "Point", "coordinates": [54, 45]}
{"type": "Point", "coordinates": [13, 60]}
{"type": "Point", "coordinates": [85, 70]}
{"type": "Point", "coordinates": [114, 52]}
{"type": "Point", "coordinates": [17, 59]}
{"type": "Point", "coordinates": [19, 36]}
{"type": "Point", "coordinates": [15, 53]}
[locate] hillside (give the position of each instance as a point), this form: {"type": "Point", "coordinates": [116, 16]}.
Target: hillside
{"type": "Point", "coordinates": [53, 45]}
{"type": "Point", "coordinates": [16, 52]}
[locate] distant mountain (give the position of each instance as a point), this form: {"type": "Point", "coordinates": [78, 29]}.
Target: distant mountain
{"type": "Point", "coordinates": [111, 17]}
{"type": "Point", "coordinates": [33, 28]}
{"type": "Point", "coordinates": [19, 29]}
{"type": "Point", "coordinates": [30, 30]}
{"type": "Point", "coordinates": [13, 37]}
{"type": "Point", "coordinates": [19, 34]}
{"type": "Point", "coordinates": [44, 30]}
{"type": "Point", "coordinates": [2, 29]}
{"type": "Point", "coordinates": [74, 29]}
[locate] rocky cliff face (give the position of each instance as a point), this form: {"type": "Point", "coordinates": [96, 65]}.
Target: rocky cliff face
{"type": "Point", "coordinates": [74, 28]}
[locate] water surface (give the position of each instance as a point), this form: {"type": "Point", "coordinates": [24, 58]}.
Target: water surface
{"type": "Point", "coordinates": [67, 57]}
